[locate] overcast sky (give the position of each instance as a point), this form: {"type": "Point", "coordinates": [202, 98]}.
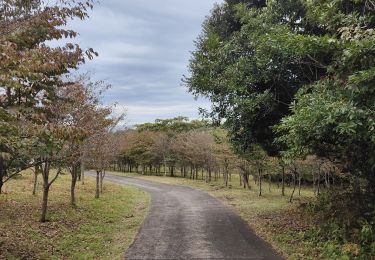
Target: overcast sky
{"type": "Point", "coordinates": [144, 48]}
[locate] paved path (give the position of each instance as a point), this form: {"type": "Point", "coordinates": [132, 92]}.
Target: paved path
{"type": "Point", "coordinates": [184, 223]}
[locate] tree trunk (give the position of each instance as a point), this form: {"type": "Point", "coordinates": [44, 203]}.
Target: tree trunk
{"type": "Point", "coordinates": [244, 179]}
{"type": "Point", "coordinates": [43, 217]}
{"type": "Point", "coordinates": [46, 185]}
{"type": "Point", "coordinates": [270, 181]}
{"type": "Point", "coordinates": [326, 178]}
{"type": "Point", "coordinates": [226, 175]}
{"type": "Point", "coordinates": [172, 171]}
{"type": "Point", "coordinates": [314, 182]}
{"type": "Point", "coordinates": [72, 191]}
{"type": "Point", "coordinates": [82, 173]}
{"type": "Point", "coordinates": [79, 173]}
{"type": "Point", "coordinates": [101, 185]}
{"type": "Point", "coordinates": [36, 172]}
{"type": "Point", "coordinates": [260, 181]}
{"type": "Point", "coordinates": [2, 174]}
{"type": "Point", "coordinates": [294, 186]}
{"type": "Point", "coordinates": [283, 181]}
{"type": "Point", "coordinates": [165, 168]}
{"type": "Point", "coordinates": [74, 173]}
{"type": "Point", "coordinates": [102, 176]}
{"type": "Point", "coordinates": [318, 191]}
{"type": "Point", "coordinates": [45, 173]}
{"type": "Point", "coordinates": [97, 193]}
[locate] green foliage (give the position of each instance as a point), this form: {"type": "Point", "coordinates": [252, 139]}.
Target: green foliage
{"type": "Point", "coordinates": [298, 78]}
{"type": "Point", "coordinates": [343, 230]}
{"type": "Point", "coordinates": [334, 116]}
{"type": "Point", "coordinates": [178, 124]}
{"type": "Point", "coordinates": [251, 71]}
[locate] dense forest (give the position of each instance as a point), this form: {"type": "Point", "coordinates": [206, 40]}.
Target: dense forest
{"type": "Point", "coordinates": [292, 88]}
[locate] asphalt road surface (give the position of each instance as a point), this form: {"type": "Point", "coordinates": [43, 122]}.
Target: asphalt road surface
{"type": "Point", "coordinates": [184, 223]}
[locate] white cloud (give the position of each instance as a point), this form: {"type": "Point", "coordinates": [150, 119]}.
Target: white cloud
{"type": "Point", "coordinates": [144, 48]}
{"type": "Point", "coordinates": [141, 114]}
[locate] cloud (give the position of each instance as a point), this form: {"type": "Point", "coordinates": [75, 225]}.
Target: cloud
{"type": "Point", "coordinates": [137, 114]}
{"type": "Point", "coordinates": [144, 47]}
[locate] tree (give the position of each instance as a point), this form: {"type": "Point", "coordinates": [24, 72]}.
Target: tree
{"type": "Point", "coordinates": [78, 108]}
{"type": "Point", "coordinates": [178, 124]}
{"type": "Point", "coordinates": [224, 153]}
{"type": "Point", "coordinates": [30, 76]}
{"type": "Point", "coordinates": [250, 60]}
{"type": "Point", "coordinates": [165, 132]}
{"type": "Point", "coordinates": [103, 145]}
{"type": "Point", "coordinates": [161, 148]}
{"type": "Point", "coordinates": [333, 117]}
{"type": "Point", "coordinates": [30, 70]}
{"type": "Point", "coordinates": [101, 150]}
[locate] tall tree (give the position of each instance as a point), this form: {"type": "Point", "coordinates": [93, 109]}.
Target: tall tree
{"type": "Point", "coordinates": [78, 106]}
{"type": "Point", "coordinates": [250, 60]}
{"type": "Point", "coordinates": [334, 117]}
{"type": "Point", "coordinates": [31, 70]}
{"type": "Point", "coordinates": [31, 74]}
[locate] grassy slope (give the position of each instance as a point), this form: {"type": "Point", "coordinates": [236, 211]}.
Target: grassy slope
{"type": "Point", "coordinates": [96, 229]}
{"type": "Point", "coordinates": [271, 216]}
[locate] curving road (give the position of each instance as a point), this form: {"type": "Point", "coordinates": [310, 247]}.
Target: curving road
{"type": "Point", "coordinates": [184, 223]}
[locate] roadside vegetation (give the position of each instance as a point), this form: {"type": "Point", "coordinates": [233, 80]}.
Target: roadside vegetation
{"type": "Point", "coordinates": [289, 202]}
{"type": "Point", "coordinates": [53, 125]}
{"type": "Point", "coordinates": [96, 229]}
{"type": "Point", "coordinates": [52, 119]}
{"type": "Point", "coordinates": [295, 80]}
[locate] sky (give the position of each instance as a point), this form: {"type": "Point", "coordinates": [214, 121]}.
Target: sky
{"type": "Point", "coordinates": [144, 49]}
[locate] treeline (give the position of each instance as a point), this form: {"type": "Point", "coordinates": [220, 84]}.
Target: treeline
{"type": "Point", "coordinates": [196, 150]}
{"type": "Point", "coordinates": [50, 119]}
{"type": "Point", "coordinates": [296, 78]}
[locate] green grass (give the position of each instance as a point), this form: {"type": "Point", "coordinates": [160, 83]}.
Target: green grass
{"type": "Point", "coordinates": [271, 216]}
{"type": "Point", "coordinates": [96, 229]}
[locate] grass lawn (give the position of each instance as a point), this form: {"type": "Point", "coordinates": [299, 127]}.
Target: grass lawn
{"type": "Point", "coordinates": [97, 229]}
{"type": "Point", "coordinates": [271, 216]}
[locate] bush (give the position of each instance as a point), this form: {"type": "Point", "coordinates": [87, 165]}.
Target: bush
{"type": "Point", "coordinates": [345, 225]}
